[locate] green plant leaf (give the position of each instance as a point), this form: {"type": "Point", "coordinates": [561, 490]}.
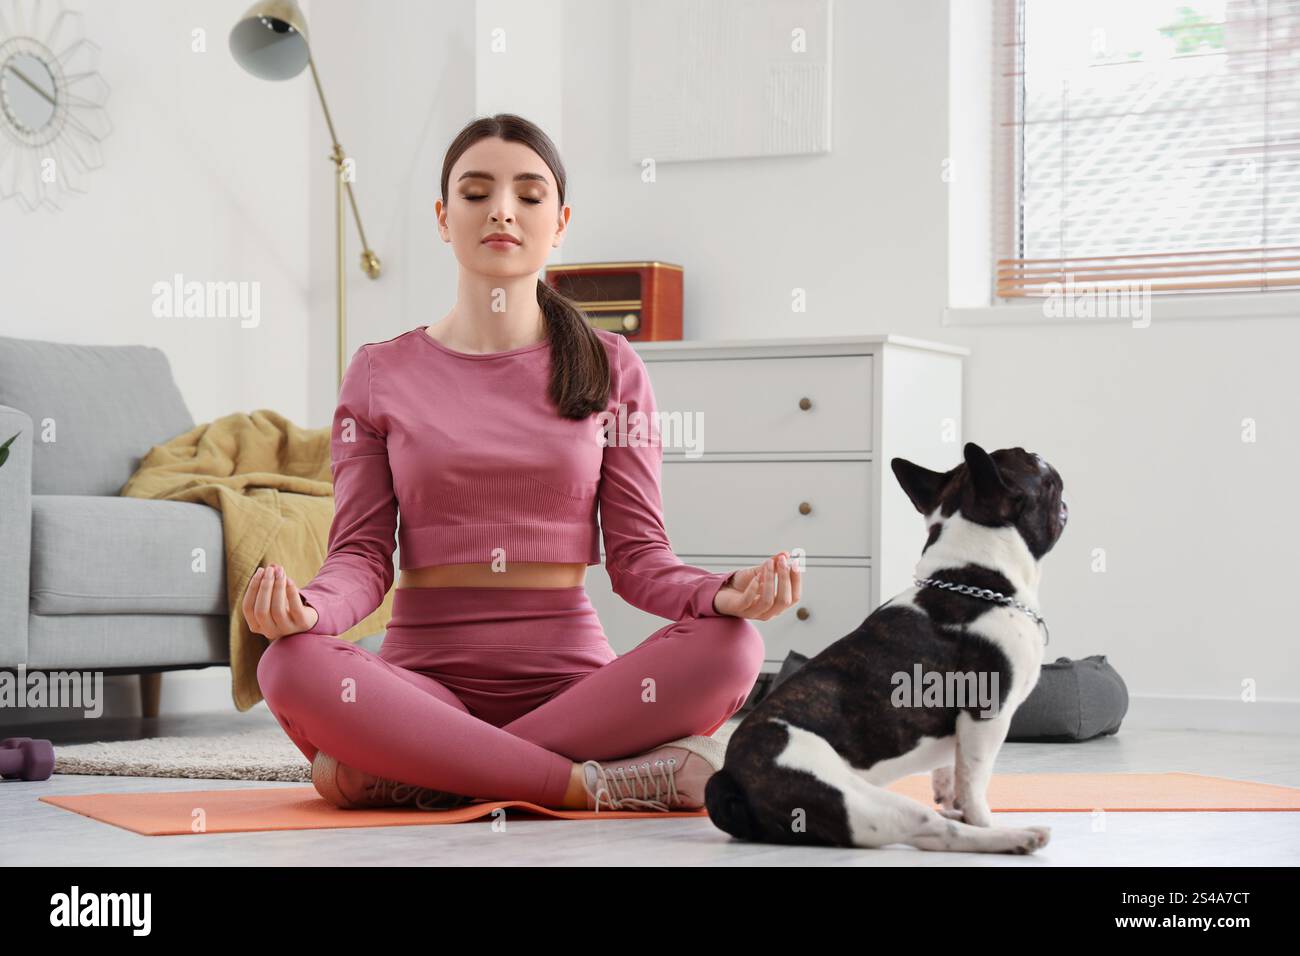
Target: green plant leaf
{"type": "Point", "coordinates": [4, 449]}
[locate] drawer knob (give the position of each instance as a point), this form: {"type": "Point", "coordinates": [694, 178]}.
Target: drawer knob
{"type": "Point", "coordinates": [802, 613]}
{"type": "Point", "coordinates": [805, 403]}
{"type": "Point", "coordinates": [804, 508]}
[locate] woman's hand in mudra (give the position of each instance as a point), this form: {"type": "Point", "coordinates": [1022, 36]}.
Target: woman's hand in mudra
{"type": "Point", "coordinates": [763, 591]}
{"type": "Point", "coordinates": [274, 608]}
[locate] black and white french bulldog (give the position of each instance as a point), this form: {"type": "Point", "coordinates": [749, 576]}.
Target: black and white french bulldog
{"type": "Point", "coordinates": [809, 765]}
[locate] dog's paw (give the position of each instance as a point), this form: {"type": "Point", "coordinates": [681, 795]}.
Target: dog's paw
{"type": "Point", "coordinates": [1035, 838]}
{"type": "Point", "coordinates": [951, 814]}
{"type": "Point", "coordinates": [942, 783]}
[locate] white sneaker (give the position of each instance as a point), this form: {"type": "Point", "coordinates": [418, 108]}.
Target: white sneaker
{"type": "Point", "coordinates": [670, 777]}
{"type": "Point", "coordinates": [352, 789]}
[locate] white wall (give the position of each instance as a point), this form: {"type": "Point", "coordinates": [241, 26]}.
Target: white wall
{"type": "Point", "coordinates": [399, 79]}
{"type": "Point", "coordinates": [203, 176]}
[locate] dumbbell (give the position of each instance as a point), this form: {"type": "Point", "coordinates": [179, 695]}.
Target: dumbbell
{"type": "Point", "coordinates": [26, 758]}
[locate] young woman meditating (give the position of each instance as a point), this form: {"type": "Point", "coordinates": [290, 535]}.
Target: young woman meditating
{"type": "Point", "coordinates": [495, 679]}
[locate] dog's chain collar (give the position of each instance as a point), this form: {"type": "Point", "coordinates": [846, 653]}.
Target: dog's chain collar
{"type": "Point", "coordinates": [988, 595]}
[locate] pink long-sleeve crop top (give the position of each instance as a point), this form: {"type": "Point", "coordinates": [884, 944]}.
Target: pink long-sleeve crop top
{"type": "Point", "coordinates": [481, 466]}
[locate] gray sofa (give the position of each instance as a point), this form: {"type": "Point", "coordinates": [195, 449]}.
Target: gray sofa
{"type": "Point", "coordinates": [90, 580]}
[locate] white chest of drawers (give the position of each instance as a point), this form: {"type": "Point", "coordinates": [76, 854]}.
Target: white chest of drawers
{"type": "Point", "coordinates": [794, 452]}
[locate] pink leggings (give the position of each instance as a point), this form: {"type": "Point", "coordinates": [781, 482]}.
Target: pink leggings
{"type": "Point", "coordinates": [496, 692]}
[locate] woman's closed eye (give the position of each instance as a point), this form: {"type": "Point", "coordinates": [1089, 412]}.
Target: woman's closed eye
{"type": "Point", "coordinates": [524, 198]}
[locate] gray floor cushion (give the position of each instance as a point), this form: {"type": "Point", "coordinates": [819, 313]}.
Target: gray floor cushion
{"type": "Point", "coordinates": [1073, 700]}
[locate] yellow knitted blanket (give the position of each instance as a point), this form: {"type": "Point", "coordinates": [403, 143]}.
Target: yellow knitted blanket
{"type": "Point", "coordinates": [272, 483]}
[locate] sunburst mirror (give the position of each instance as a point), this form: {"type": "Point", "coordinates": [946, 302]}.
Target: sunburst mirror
{"type": "Point", "coordinates": [52, 115]}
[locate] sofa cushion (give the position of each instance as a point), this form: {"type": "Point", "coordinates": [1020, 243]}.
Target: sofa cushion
{"type": "Point", "coordinates": [96, 410]}
{"type": "Point", "coordinates": [109, 555]}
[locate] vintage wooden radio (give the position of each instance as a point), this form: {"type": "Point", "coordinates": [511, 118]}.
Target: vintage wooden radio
{"type": "Point", "coordinates": [641, 300]}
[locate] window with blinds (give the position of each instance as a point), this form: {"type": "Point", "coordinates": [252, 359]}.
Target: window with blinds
{"type": "Point", "coordinates": [1146, 142]}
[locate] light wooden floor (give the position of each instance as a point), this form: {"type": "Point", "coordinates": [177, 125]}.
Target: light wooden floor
{"type": "Point", "coordinates": [34, 833]}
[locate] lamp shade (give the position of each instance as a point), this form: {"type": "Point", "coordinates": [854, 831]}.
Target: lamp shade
{"type": "Point", "coordinates": [270, 40]}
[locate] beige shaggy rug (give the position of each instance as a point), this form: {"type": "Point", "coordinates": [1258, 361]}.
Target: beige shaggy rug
{"type": "Point", "coordinates": [262, 754]}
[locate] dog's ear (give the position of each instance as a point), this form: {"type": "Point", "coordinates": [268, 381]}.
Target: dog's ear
{"type": "Point", "coordinates": [922, 485]}
{"type": "Point", "coordinates": [985, 477]}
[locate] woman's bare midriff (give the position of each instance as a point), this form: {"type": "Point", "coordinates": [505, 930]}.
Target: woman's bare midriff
{"type": "Point", "coordinates": [535, 574]}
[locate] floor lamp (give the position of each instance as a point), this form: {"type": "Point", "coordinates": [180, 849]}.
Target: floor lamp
{"type": "Point", "coordinates": [270, 42]}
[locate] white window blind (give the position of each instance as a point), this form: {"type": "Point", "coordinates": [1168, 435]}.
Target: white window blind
{"type": "Point", "coordinates": [1146, 142]}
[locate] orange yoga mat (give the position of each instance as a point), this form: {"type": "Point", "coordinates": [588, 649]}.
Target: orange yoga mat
{"type": "Point", "coordinates": [301, 808]}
